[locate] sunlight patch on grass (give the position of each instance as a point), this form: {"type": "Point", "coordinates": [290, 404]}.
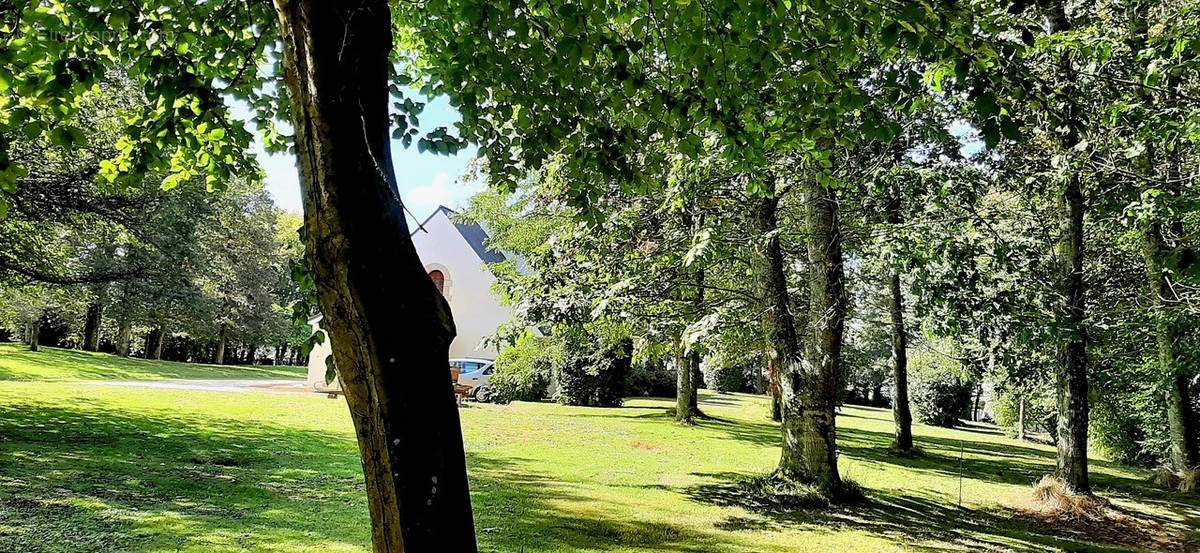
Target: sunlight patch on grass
{"type": "Point", "coordinates": [54, 364]}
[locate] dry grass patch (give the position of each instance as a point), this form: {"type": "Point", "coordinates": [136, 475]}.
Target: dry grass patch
{"type": "Point", "coordinates": [1054, 509]}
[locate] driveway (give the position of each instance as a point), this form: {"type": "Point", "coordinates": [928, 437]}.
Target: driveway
{"type": "Point", "coordinates": [216, 385]}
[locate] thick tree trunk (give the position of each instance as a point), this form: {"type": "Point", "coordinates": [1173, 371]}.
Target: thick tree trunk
{"type": "Point", "coordinates": [158, 343]}
{"type": "Point", "coordinates": [124, 336]}
{"type": "Point", "coordinates": [685, 387]}
{"type": "Point", "coordinates": [807, 385]}
{"type": "Point", "coordinates": [390, 328]}
{"type": "Point", "coordinates": [1072, 378]}
{"type": "Point", "coordinates": [1184, 449]}
{"type": "Point", "coordinates": [900, 411]}
{"type": "Point", "coordinates": [220, 355]}
{"type": "Point", "coordinates": [91, 325]}
{"type": "Point", "coordinates": [35, 329]}
{"type": "Point", "coordinates": [1072, 381]}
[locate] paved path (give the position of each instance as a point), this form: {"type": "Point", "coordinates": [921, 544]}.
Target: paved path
{"type": "Point", "coordinates": [216, 385]}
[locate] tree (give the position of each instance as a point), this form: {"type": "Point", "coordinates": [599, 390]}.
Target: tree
{"type": "Point", "coordinates": [335, 68]}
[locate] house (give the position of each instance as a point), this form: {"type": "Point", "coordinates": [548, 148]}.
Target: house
{"type": "Point", "coordinates": [456, 258]}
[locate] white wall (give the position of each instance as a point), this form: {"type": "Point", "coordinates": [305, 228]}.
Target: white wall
{"type": "Point", "coordinates": [477, 313]}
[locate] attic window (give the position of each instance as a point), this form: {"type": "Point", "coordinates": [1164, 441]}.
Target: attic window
{"type": "Point", "coordinates": [438, 279]}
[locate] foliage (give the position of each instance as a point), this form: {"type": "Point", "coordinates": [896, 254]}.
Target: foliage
{"type": "Point", "coordinates": [592, 370]}
{"type": "Point", "coordinates": [651, 378]}
{"type": "Point", "coordinates": [525, 368]}
{"type": "Point", "coordinates": [939, 391]}
{"type": "Point", "coordinates": [726, 378]}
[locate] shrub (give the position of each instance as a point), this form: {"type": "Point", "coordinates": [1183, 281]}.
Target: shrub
{"type": "Point", "coordinates": [592, 370]}
{"type": "Point", "coordinates": [653, 379]}
{"type": "Point", "coordinates": [523, 369]}
{"type": "Point", "coordinates": [937, 391]}
{"type": "Point", "coordinates": [727, 379]}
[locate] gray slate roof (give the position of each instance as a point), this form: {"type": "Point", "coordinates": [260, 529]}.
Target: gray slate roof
{"type": "Point", "coordinates": [472, 233]}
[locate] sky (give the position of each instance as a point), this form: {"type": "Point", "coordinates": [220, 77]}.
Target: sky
{"type": "Point", "coordinates": [426, 180]}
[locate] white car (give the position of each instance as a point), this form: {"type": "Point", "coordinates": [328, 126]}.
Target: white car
{"type": "Point", "coordinates": [474, 373]}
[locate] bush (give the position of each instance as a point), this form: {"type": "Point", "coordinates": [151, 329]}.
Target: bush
{"type": "Point", "coordinates": [592, 370]}
{"type": "Point", "coordinates": [523, 370]}
{"type": "Point", "coordinates": [939, 395]}
{"type": "Point", "coordinates": [727, 379]}
{"type": "Point", "coordinates": [654, 379]}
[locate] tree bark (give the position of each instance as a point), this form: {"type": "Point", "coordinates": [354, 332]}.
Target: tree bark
{"type": "Point", "coordinates": [1072, 378]}
{"type": "Point", "coordinates": [900, 410]}
{"type": "Point", "coordinates": [389, 327]}
{"type": "Point", "coordinates": [807, 383]}
{"type": "Point", "coordinates": [35, 329]}
{"type": "Point", "coordinates": [685, 388]}
{"type": "Point", "coordinates": [220, 356]}
{"type": "Point", "coordinates": [901, 413]}
{"type": "Point", "coordinates": [124, 335]}
{"type": "Point", "coordinates": [91, 325]}
{"type": "Point", "coordinates": [1184, 452]}
{"type": "Point", "coordinates": [158, 343]}
{"type": "Point", "coordinates": [1072, 381]}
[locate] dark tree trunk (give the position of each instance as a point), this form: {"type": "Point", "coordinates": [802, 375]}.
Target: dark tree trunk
{"type": "Point", "coordinates": [251, 354]}
{"type": "Point", "coordinates": [808, 385]}
{"type": "Point", "coordinates": [35, 328]}
{"type": "Point", "coordinates": [124, 336]}
{"type": "Point", "coordinates": [1184, 449]}
{"type": "Point", "coordinates": [1072, 351]}
{"type": "Point", "coordinates": [900, 411]}
{"type": "Point", "coordinates": [91, 325]}
{"type": "Point", "coordinates": [389, 327]}
{"type": "Point", "coordinates": [1072, 380]}
{"type": "Point", "coordinates": [158, 343]}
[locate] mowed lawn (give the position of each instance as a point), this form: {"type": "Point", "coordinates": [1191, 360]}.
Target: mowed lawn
{"type": "Point", "coordinates": [87, 468]}
{"type": "Point", "coordinates": [53, 364]}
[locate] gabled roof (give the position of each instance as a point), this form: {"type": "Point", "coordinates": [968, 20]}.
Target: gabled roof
{"type": "Point", "coordinates": [471, 232]}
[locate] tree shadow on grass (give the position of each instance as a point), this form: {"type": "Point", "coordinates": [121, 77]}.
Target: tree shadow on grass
{"type": "Point", "coordinates": [88, 478]}
{"type": "Point", "coordinates": [924, 523]}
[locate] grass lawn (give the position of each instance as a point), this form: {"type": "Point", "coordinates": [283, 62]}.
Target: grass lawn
{"type": "Point", "coordinates": [86, 468]}
{"type": "Point", "coordinates": [53, 364]}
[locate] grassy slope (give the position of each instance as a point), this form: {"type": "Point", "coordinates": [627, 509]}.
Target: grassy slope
{"type": "Point", "coordinates": [90, 469]}
{"type": "Point", "coordinates": [18, 363]}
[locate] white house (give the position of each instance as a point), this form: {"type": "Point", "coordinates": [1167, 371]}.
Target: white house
{"type": "Point", "coordinates": [456, 258]}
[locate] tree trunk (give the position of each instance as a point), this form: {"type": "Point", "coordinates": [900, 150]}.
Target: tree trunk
{"type": "Point", "coordinates": [124, 336]}
{"type": "Point", "coordinates": [35, 328]}
{"type": "Point", "coordinates": [251, 354]}
{"type": "Point", "coordinates": [1072, 351]}
{"type": "Point", "coordinates": [685, 387]}
{"type": "Point", "coordinates": [900, 411]}
{"type": "Point", "coordinates": [220, 356]}
{"type": "Point", "coordinates": [1184, 449]}
{"type": "Point", "coordinates": [1021, 418]}
{"type": "Point", "coordinates": [91, 325]}
{"type": "Point", "coordinates": [1072, 381]}
{"type": "Point", "coordinates": [389, 327]}
{"type": "Point", "coordinates": [807, 386]}
{"type": "Point", "coordinates": [158, 343]}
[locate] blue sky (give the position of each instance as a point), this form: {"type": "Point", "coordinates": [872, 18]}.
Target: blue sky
{"type": "Point", "coordinates": [426, 180]}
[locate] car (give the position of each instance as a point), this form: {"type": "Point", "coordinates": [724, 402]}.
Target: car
{"type": "Point", "coordinates": [474, 373]}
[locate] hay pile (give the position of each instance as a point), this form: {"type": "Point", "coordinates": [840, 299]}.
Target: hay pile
{"type": "Point", "coordinates": [1187, 481]}
{"type": "Point", "coordinates": [1053, 498]}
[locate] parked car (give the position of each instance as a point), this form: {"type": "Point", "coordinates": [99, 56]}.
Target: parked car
{"type": "Point", "coordinates": [474, 373]}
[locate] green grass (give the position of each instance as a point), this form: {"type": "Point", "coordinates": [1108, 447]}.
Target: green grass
{"type": "Point", "coordinates": [54, 364]}
{"type": "Point", "coordinates": [114, 469]}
